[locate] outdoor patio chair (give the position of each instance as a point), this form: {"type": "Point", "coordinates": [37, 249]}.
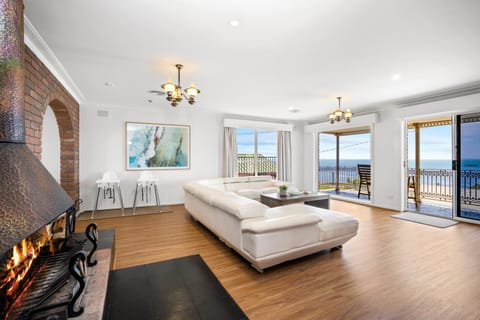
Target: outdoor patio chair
{"type": "Point", "coordinates": [412, 189]}
{"type": "Point", "coordinates": [364, 172]}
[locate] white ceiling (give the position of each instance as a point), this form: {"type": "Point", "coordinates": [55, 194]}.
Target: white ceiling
{"type": "Point", "coordinates": [300, 53]}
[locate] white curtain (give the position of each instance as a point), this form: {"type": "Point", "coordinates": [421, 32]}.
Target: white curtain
{"type": "Point", "coordinates": [229, 152]}
{"type": "Point", "coordinates": [284, 155]}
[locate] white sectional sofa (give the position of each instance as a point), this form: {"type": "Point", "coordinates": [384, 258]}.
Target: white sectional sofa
{"type": "Point", "coordinates": [264, 236]}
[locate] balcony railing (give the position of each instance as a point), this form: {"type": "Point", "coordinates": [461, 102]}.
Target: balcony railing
{"type": "Point", "coordinates": [265, 165]}
{"type": "Point", "coordinates": [348, 178]}
{"type": "Point", "coordinates": [435, 184]}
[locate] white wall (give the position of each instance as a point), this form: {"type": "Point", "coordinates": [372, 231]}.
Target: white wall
{"type": "Point", "coordinates": [388, 151]}
{"type": "Point", "coordinates": [51, 144]}
{"type": "Point", "coordinates": [102, 148]}
{"type": "Point", "coordinates": [297, 155]}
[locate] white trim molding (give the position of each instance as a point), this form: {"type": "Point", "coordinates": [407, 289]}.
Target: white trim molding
{"type": "Point", "coordinates": [240, 123]}
{"type": "Point", "coordinates": [41, 49]}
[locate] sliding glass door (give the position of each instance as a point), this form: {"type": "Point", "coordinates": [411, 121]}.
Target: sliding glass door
{"type": "Point", "coordinates": [467, 166]}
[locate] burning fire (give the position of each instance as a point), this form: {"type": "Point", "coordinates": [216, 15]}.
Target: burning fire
{"type": "Point", "coordinates": [23, 255]}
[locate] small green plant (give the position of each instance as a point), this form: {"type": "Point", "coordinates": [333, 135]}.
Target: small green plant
{"type": "Point", "coordinates": [283, 188]}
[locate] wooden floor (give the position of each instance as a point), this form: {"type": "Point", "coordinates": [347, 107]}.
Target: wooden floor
{"type": "Point", "coordinates": [393, 269]}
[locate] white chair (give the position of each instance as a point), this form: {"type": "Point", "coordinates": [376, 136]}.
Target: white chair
{"type": "Point", "coordinates": [146, 182]}
{"type": "Point", "coordinates": [108, 184]}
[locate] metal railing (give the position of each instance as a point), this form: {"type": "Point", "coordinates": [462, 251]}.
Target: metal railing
{"type": "Point", "coordinates": [265, 165]}
{"type": "Point", "coordinates": [435, 184]}
{"type": "Point", "coordinates": [348, 178]}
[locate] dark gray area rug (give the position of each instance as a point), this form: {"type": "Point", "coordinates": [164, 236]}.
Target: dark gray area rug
{"type": "Point", "coordinates": [183, 288]}
{"type": "Point", "coordinates": [425, 219]}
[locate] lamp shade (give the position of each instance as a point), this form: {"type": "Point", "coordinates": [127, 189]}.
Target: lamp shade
{"type": "Point", "coordinates": [348, 114]}
{"type": "Point", "coordinates": [192, 91]}
{"type": "Point", "coordinates": [169, 86]}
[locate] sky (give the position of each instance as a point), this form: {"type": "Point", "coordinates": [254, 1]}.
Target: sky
{"type": "Point", "coordinates": [435, 143]}
{"type": "Point", "coordinates": [267, 142]}
{"type": "Point", "coordinates": [351, 146]}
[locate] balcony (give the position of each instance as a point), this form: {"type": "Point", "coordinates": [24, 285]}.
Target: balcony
{"type": "Point", "coordinates": [348, 181]}
{"type": "Point", "coordinates": [436, 188]}
{"type": "Point", "coordinates": [265, 165]}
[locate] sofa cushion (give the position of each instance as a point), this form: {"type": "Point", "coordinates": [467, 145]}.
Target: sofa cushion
{"type": "Point", "coordinates": [288, 210]}
{"type": "Point", "coordinates": [260, 184]}
{"type": "Point", "coordinates": [237, 186]}
{"type": "Point", "coordinates": [335, 224]}
{"type": "Point", "coordinates": [265, 224]}
{"type": "Point", "coordinates": [235, 179]}
{"type": "Point", "coordinates": [241, 207]}
{"type": "Point", "coordinates": [208, 195]}
{"type": "Point", "coordinates": [259, 178]}
{"type": "Point", "coordinates": [253, 194]}
{"type": "Point", "coordinates": [208, 182]}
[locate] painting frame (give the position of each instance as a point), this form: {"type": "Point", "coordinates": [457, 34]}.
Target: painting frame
{"type": "Point", "coordinates": [145, 151]}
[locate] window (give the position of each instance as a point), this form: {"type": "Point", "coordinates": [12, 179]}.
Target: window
{"type": "Point", "coordinates": [340, 175]}
{"type": "Point", "coordinates": [256, 152]}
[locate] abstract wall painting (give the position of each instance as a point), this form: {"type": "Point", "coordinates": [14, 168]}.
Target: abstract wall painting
{"type": "Point", "coordinates": [157, 146]}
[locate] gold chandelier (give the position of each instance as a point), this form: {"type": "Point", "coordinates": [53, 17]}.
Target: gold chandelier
{"type": "Point", "coordinates": [174, 91]}
{"type": "Point", "coordinates": [338, 114]}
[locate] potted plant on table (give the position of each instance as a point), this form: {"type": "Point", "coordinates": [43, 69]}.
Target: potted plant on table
{"type": "Point", "coordinates": [283, 190]}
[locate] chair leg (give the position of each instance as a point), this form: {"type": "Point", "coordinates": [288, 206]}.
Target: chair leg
{"type": "Point", "coordinates": [135, 199]}
{"type": "Point", "coordinates": [121, 200]}
{"type": "Point", "coordinates": [157, 198]}
{"type": "Point", "coordinates": [96, 204]}
{"type": "Point", "coordinates": [359, 189]}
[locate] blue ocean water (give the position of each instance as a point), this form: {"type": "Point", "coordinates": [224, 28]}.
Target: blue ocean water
{"type": "Point", "coordinates": [343, 162]}
{"type": "Point", "coordinates": [469, 164]}
{"type": "Point", "coordinates": [348, 171]}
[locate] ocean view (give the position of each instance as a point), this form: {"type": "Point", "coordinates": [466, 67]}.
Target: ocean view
{"type": "Point", "coordinates": [470, 164]}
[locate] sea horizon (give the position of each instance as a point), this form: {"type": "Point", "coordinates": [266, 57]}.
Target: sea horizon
{"type": "Point", "coordinates": [467, 164]}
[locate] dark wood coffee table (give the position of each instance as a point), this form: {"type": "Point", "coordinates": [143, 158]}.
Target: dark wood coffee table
{"type": "Point", "coordinates": [317, 199]}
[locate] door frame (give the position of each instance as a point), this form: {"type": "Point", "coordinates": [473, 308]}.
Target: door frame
{"type": "Point", "coordinates": [405, 158]}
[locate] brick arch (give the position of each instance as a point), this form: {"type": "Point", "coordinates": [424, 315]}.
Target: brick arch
{"type": "Point", "coordinates": [42, 89]}
{"type": "Point", "coordinates": [68, 145]}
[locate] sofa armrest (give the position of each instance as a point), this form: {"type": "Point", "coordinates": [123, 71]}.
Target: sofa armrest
{"type": "Point", "coordinates": [264, 225]}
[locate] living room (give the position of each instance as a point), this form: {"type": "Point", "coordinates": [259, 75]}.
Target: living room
{"type": "Point", "coordinates": [392, 63]}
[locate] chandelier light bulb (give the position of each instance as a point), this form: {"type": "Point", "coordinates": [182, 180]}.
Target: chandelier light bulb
{"type": "Point", "coordinates": [331, 116]}
{"type": "Point", "coordinates": [169, 86]}
{"type": "Point", "coordinates": [192, 91]}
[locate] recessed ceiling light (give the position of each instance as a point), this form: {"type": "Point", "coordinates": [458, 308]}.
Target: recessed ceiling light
{"type": "Point", "coordinates": [234, 23]}
{"type": "Point", "coordinates": [293, 109]}
{"type": "Point", "coordinates": [396, 76]}
{"type": "Point", "coordinates": [109, 84]}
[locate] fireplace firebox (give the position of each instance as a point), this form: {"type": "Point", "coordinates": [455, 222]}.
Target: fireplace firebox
{"type": "Point", "coordinates": [50, 262]}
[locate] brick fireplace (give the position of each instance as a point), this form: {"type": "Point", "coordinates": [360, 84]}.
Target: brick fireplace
{"type": "Point", "coordinates": [32, 203]}
{"type": "Point", "coordinates": [42, 89]}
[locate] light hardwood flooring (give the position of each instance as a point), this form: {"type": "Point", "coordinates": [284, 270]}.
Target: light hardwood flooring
{"type": "Point", "coordinates": [393, 269]}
